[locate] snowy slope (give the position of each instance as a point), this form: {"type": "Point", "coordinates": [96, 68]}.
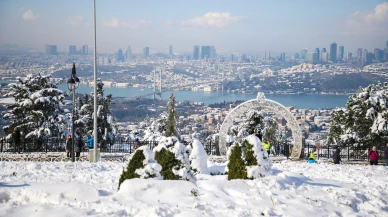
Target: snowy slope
{"type": "Point", "coordinates": [293, 189]}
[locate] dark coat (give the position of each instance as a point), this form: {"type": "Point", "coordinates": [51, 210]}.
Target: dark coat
{"type": "Point", "coordinates": [386, 153]}
{"type": "Point", "coordinates": [16, 137]}
{"type": "Point", "coordinates": [337, 156]}
{"type": "Point", "coordinates": [68, 144]}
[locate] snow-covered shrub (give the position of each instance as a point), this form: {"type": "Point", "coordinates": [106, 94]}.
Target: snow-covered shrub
{"type": "Point", "coordinates": [248, 160]}
{"type": "Point", "coordinates": [141, 165]}
{"type": "Point", "coordinates": [173, 156]}
{"type": "Point", "coordinates": [198, 158]}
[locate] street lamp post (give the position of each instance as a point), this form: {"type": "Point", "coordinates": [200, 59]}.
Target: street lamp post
{"type": "Point", "coordinates": [72, 84]}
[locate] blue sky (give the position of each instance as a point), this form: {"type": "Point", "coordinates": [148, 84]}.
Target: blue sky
{"type": "Point", "coordinates": [245, 26]}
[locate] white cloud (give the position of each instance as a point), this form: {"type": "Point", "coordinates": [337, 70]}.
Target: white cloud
{"type": "Point", "coordinates": [114, 23]}
{"type": "Point", "coordinates": [212, 19]}
{"type": "Point", "coordinates": [28, 15]}
{"type": "Point", "coordinates": [74, 20]}
{"type": "Point", "coordinates": [22, 9]}
{"type": "Point", "coordinates": [371, 22]}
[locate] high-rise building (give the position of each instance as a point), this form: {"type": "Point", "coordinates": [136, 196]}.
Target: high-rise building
{"type": "Point", "coordinates": [341, 50]}
{"type": "Point", "coordinates": [379, 54]}
{"type": "Point", "coordinates": [333, 52]}
{"type": "Point", "coordinates": [146, 52]}
{"type": "Point", "coordinates": [325, 57]}
{"type": "Point", "coordinates": [303, 53]}
{"type": "Point", "coordinates": [296, 56]}
{"type": "Point", "coordinates": [312, 57]}
{"type": "Point", "coordinates": [120, 56]}
{"type": "Point", "coordinates": [72, 49]}
{"type": "Point", "coordinates": [208, 51]}
{"type": "Point", "coordinates": [349, 57]}
{"type": "Point", "coordinates": [170, 50]}
{"type": "Point", "coordinates": [85, 50]}
{"type": "Point", "coordinates": [359, 52]}
{"type": "Point", "coordinates": [51, 49]}
{"type": "Point", "coordinates": [282, 56]}
{"type": "Point", "coordinates": [318, 53]}
{"type": "Point", "coordinates": [128, 54]}
{"type": "Point", "coordinates": [232, 57]}
{"type": "Point", "coordinates": [324, 50]}
{"type": "Point", "coordinates": [196, 52]}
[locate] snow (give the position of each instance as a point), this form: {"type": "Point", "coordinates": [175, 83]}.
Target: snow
{"type": "Point", "coordinates": [151, 168]}
{"type": "Point", "coordinates": [292, 189]}
{"type": "Point", "coordinates": [198, 157]}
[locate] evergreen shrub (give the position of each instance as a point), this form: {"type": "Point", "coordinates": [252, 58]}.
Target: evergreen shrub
{"type": "Point", "coordinates": [168, 161]}
{"type": "Point", "coordinates": [135, 163]}
{"type": "Point", "coordinates": [236, 166]}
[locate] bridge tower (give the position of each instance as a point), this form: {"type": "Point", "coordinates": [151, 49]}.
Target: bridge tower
{"type": "Point", "coordinates": [160, 85]}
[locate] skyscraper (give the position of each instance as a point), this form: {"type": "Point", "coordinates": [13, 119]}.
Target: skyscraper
{"type": "Point", "coordinates": [359, 52]}
{"type": "Point", "coordinates": [72, 49]}
{"type": "Point", "coordinates": [318, 53]}
{"type": "Point", "coordinates": [170, 50]}
{"type": "Point", "coordinates": [324, 50]}
{"type": "Point", "coordinates": [50, 49]}
{"type": "Point", "coordinates": [128, 54]}
{"type": "Point", "coordinates": [341, 50]}
{"type": "Point", "coordinates": [303, 53]}
{"type": "Point", "coordinates": [85, 50]}
{"type": "Point", "coordinates": [196, 52]}
{"type": "Point", "coordinates": [333, 52]}
{"type": "Point", "coordinates": [208, 51]}
{"type": "Point", "coordinates": [312, 57]}
{"type": "Point", "coordinates": [282, 56]}
{"type": "Point", "coordinates": [349, 57]}
{"type": "Point", "coordinates": [146, 52]}
{"type": "Point", "coordinates": [120, 56]}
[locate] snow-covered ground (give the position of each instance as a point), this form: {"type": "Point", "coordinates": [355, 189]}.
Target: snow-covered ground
{"type": "Point", "coordinates": [293, 189]}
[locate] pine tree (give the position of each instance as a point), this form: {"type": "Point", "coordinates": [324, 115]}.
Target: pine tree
{"type": "Point", "coordinates": [271, 130]}
{"type": "Point", "coordinates": [37, 111]}
{"type": "Point", "coordinates": [171, 121]}
{"type": "Point", "coordinates": [236, 166]}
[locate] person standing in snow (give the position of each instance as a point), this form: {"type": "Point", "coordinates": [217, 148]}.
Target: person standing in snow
{"type": "Point", "coordinates": [386, 156]}
{"type": "Point", "coordinates": [90, 139]}
{"type": "Point", "coordinates": [259, 135]}
{"type": "Point", "coordinates": [267, 146]}
{"type": "Point", "coordinates": [16, 139]}
{"type": "Point", "coordinates": [68, 145]}
{"type": "Point", "coordinates": [337, 156]}
{"type": "Point", "coordinates": [373, 156]}
{"type": "Point", "coordinates": [137, 143]}
{"type": "Point", "coordinates": [78, 147]}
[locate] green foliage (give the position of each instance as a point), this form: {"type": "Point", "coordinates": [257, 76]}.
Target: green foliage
{"type": "Point", "coordinates": [171, 122]}
{"type": "Point", "coordinates": [254, 122]}
{"type": "Point", "coordinates": [135, 163]}
{"type": "Point", "coordinates": [250, 158]}
{"type": "Point", "coordinates": [168, 161]}
{"type": "Point", "coordinates": [236, 165]}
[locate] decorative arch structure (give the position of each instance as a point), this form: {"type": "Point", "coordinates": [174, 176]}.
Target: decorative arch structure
{"type": "Point", "coordinates": [261, 103]}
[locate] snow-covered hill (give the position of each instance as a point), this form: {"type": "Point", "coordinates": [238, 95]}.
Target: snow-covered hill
{"type": "Point", "coordinates": [293, 189]}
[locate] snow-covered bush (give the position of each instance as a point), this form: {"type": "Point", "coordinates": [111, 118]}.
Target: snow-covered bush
{"type": "Point", "coordinates": [173, 156]}
{"type": "Point", "coordinates": [248, 160]}
{"type": "Point", "coordinates": [198, 158]}
{"type": "Point", "coordinates": [141, 165]}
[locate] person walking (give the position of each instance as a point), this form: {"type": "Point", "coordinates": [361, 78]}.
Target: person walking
{"type": "Point", "coordinates": [337, 156]}
{"type": "Point", "coordinates": [386, 155]}
{"type": "Point", "coordinates": [16, 139]}
{"type": "Point", "coordinates": [68, 146]}
{"type": "Point", "coordinates": [267, 146]}
{"type": "Point", "coordinates": [78, 147]}
{"type": "Point", "coordinates": [90, 139]}
{"type": "Point", "coordinates": [373, 156]}
{"type": "Point", "coordinates": [259, 135]}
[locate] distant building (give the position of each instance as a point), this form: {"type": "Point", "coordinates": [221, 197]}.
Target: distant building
{"type": "Point", "coordinates": [349, 57]}
{"type": "Point", "coordinates": [296, 56]}
{"type": "Point", "coordinates": [208, 51]}
{"type": "Point", "coordinates": [341, 50]}
{"type": "Point", "coordinates": [128, 54]}
{"type": "Point", "coordinates": [72, 50]}
{"type": "Point", "coordinates": [325, 57]}
{"type": "Point", "coordinates": [318, 53]}
{"type": "Point", "coordinates": [146, 52]}
{"type": "Point", "coordinates": [196, 52]}
{"type": "Point", "coordinates": [170, 51]}
{"type": "Point", "coordinates": [379, 54]}
{"type": "Point", "coordinates": [333, 52]}
{"type": "Point", "coordinates": [359, 52]}
{"type": "Point", "coordinates": [85, 50]}
{"type": "Point", "coordinates": [303, 54]}
{"type": "Point", "coordinates": [312, 57]}
{"type": "Point", "coordinates": [282, 56]}
{"type": "Point", "coordinates": [120, 56]}
{"type": "Point", "coordinates": [324, 50]}
{"type": "Point", "coordinates": [51, 49]}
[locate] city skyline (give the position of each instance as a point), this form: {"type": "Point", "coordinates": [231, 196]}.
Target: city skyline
{"type": "Point", "coordinates": [245, 27]}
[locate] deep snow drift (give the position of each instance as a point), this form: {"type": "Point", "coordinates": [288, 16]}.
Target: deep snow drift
{"type": "Point", "coordinates": [293, 189]}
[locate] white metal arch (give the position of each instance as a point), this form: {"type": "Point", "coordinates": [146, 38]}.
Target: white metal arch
{"type": "Point", "coordinates": [261, 103]}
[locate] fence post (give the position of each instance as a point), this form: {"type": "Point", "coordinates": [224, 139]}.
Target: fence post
{"type": "Point", "coordinates": [328, 151]}
{"type": "Point", "coordinates": [348, 152]}
{"type": "Point", "coordinates": [2, 139]}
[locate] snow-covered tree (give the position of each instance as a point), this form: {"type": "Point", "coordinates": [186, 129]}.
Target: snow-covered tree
{"type": "Point", "coordinates": [253, 124]}
{"type": "Point", "coordinates": [171, 118]}
{"type": "Point", "coordinates": [141, 165]}
{"type": "Point", "coordinates": [173, 156]}
{"type": "Point", "coordinates": [364, 121]}
{"type": "Point", "coordinates": [37, 111]}
{"type": "Point", "coordinates": [85, 117]}
{"type": "Point", "coordinates": [271, 130]}
{"type": "Point", "coordinates": [198, 158]}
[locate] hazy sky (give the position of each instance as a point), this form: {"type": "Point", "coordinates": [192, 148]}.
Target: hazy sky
{"type": "Point", "coordinates": [250, 26]}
